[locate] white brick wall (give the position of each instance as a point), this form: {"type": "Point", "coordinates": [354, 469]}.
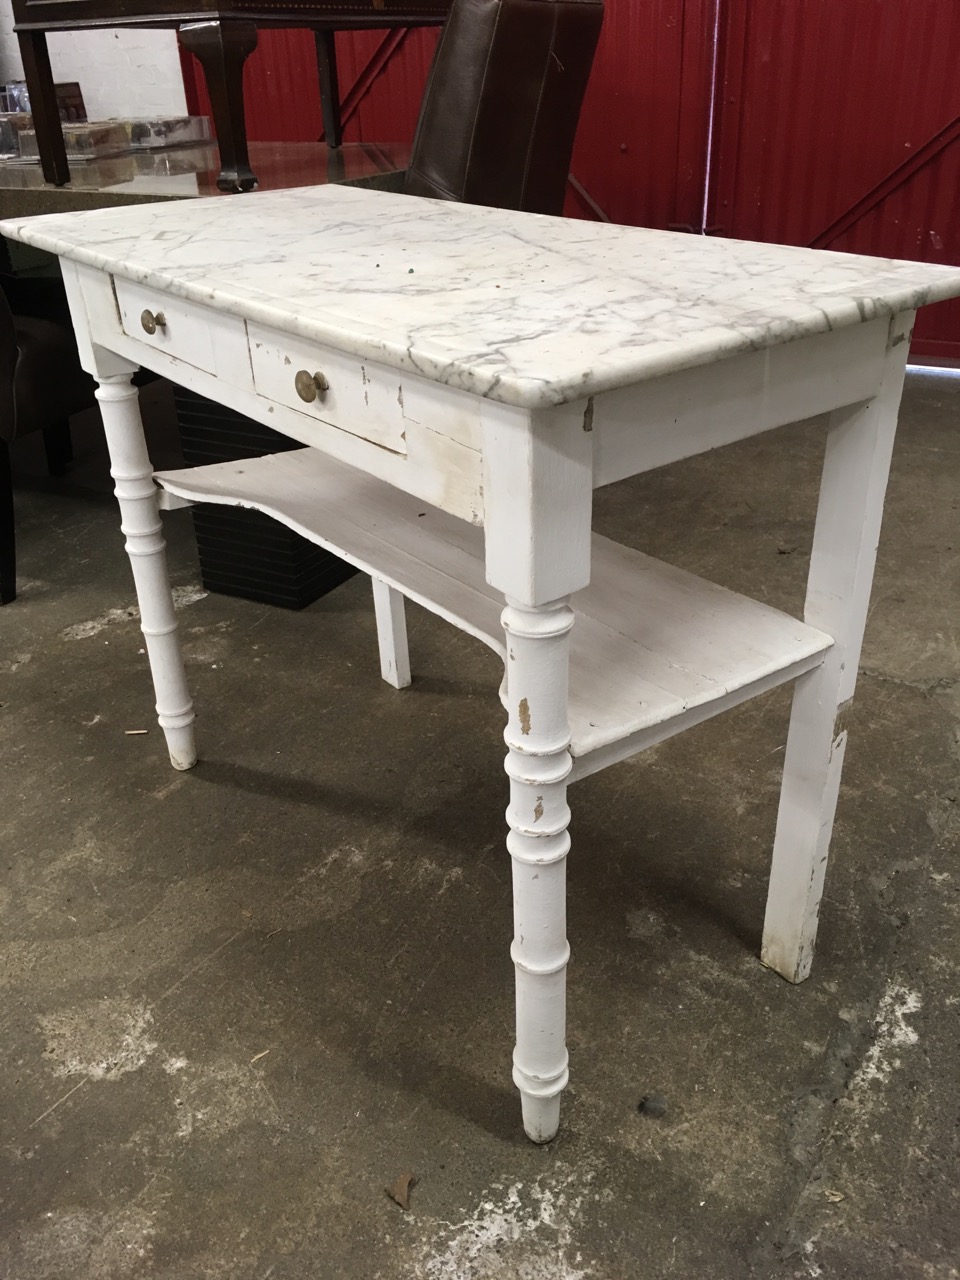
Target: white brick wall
{"type": "Point", "coordinates": [121, 72]}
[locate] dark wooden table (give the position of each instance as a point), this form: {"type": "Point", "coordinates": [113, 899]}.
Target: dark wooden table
{"type": "Point", "coordinates": [221, 36]}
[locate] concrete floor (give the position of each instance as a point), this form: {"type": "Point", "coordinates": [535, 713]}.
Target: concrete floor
{"type": "Point", "coordinates": [239, 1002]}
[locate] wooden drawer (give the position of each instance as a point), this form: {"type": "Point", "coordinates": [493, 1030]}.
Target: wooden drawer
{"type": "Point", "coordinates": [205, 339]}
{"type": "Point", "coordinates": [362, 398]}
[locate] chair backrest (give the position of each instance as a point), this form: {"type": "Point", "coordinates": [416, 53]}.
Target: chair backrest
{"type": "Point", "coordinates": [501, 107]}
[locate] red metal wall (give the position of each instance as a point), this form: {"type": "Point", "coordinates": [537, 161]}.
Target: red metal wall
{"type": "Point", "coordinates": [642, 143]}
{"type": "Point", "coordinates": [829, 109]}
{"type": "Point", "coordinates": [641, 147]}
{"type": "Point", "coordinates": [389, 112]}
{"type": "Point", "coordinates": [282, 95]}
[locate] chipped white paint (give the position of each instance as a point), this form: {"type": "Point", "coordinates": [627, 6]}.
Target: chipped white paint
{"type": "Point", "coordinates": [538, 765]}
{"type": "Point", "coordinates": [694, 410]}
{"type": "Point", "coordinates": [654, 650]}
{"type": "Point", "coordinates": [856, 466]}
{"type": "Point", "coordinates": [185, 333]}
{"type": "Point", "coordinates": [101, 1041]}
{"type": "Point", "coordinates": [391, 634]}
{"type": "Point", "coordinates": [539, 357]}
{"type": "Point", "coordinates": [360, 397]}
{"type": "Point", "coordinates": [137, 496]}
{"type": "Point", "coordinates": [516, 1232]}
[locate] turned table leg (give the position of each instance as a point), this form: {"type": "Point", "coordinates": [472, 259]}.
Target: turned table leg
{"type": "Point", "coordinates": [538, 492]}
{"type": "Point", "coordinates": [222, 48]}
{"type": "Point", "coordinates": [43, 105]}
{"type": "Point", "coordinates": [856, 465]}
{"type": "Point", "coordinates": [538, 764]}
{"type": "Point", "coordinates": [137, 494]}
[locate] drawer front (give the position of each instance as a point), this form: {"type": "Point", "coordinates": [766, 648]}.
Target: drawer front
{"type": "Point", "coordinates": [214, 341]}
{"type": "Point", "coordinates": [328, 386]}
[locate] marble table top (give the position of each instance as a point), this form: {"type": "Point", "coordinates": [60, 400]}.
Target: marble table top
{"type": "Point", "coordinates": [524, 309]}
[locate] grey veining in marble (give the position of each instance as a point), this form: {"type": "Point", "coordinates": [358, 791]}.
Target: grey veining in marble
{"type": "Point", "coordinates": [527, 310]}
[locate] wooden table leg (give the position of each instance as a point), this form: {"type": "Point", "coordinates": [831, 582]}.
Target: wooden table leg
{"type": "Point", "coordinates": [43, 105]}
{"type": "Point", "coordinates": [222, 48]}
{"type": "Point", "coordinates": [855, 470]}
{"type": "Point", "coordinates": [538, 491]}
{"type": "Point", "coordinates": [329, 87]}
{"type": "Point", "coordinates": [538, 764]}
{"type": "Point", "coordinates": [137, 494]}
{"type": "Point", "coordinates": [390, 608]}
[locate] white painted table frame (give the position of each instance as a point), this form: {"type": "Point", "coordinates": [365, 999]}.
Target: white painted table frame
{"type": "Point", "coordinates": [605, 651]}
{"type": "Point", "coordinates": [539, 471]}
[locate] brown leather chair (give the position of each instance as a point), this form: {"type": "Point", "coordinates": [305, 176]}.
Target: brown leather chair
{"type": "Point", "coordinates": [41, 385]}
{"type": "Point", "coordinates": [500, 111]}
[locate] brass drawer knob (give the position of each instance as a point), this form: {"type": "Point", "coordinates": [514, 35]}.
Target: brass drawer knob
{"type": "Point", "coordinates": [152, 321]}
{"type": "Point", "coordinates": [310, 385]}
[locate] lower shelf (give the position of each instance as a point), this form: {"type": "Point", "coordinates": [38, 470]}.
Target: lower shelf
{"type": "Point", "coordinates": [245, 553]}
{"type": "Point", "coordinates": [653, 651]}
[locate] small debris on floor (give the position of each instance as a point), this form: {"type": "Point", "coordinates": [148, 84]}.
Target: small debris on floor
{"type": "Point", "coordinates": [833, 1196]}
{"type": "Point", "coordinates": [399, 1193]}
{"type": "Point", "coordinates": [653, 1105]}
{"type": "Point", "coordinates": [134, 733]}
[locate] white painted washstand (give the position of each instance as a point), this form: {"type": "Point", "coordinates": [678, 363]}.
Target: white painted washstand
{"type": "Point", "coordinates": [462, 379]}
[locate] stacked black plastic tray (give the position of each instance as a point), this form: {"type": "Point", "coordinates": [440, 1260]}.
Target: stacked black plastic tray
{"type": "Point", "coordinates": [245, 553]}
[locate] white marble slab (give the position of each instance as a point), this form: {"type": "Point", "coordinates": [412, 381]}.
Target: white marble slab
{"type": "Point", "coordinates": [524, 309]}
